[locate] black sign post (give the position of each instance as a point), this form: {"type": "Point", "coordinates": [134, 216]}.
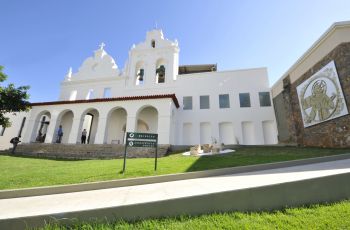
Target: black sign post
{"type": "Point", "coordinates": [124, 164]}
{"type": "Point", "coordinates": [141, 140]}
{"type": "Point", "coordinates": [156, 156]}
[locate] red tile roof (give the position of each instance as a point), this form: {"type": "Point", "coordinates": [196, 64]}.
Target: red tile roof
{"type": "Point", "coordinates": [129, 98]}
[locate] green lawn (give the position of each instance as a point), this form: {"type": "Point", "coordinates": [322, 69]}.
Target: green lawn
{"type": "Point", "coordinates": [21, 172]}
{"type": "Point", "coordinates": [334, 216]}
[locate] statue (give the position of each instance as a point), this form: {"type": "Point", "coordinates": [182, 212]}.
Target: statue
{"type": "Point", "coordinates": [207, 148]}
{"type": "Point", "coordinates": [195, 150]}
{"type": "Point", "coordinates": [216, 147]}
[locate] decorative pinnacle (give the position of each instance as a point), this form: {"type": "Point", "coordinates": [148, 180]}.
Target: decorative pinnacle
{"type": "Point", "coordinates": [69, 74]}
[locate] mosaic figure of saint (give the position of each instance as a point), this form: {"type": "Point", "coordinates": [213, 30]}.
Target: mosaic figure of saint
{"type": "Point", "coordinates": [321, 104]}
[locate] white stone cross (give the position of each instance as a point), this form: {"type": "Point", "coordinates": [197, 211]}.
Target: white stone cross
{"type": "Point", "coordinates": [102, 45]}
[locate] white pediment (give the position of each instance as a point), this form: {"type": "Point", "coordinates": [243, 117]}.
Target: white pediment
{"type": "Point", "coordinates": [101, 65]}
{"type": "Point", "coordinates": [158, 38]}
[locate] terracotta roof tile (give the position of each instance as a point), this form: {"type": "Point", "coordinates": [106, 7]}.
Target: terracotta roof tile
{"type": "Point", "coordinates": [128, 98]}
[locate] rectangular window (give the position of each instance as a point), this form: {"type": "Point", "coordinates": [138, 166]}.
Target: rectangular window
{"type": "Point", "coordinates": [2, 130]}
{"type": "Point", "coordinates": [187, 101]}
{"type": "Point", "coordinates": [244, 99]}
{"type": "Point", "coordinates": [224, 101]}
{"type": "Point", "coordinates": [264, 98]}
{"type": "Point", "coordinates": [107, 93]}
{"type": "Point", "coordinates": [204, 102]}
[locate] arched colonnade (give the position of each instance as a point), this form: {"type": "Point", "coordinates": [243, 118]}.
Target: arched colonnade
{"type": "Point", "coordinates": [104, 124]}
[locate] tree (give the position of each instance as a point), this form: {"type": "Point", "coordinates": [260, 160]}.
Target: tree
{"type": "Point", "coordinates": [12, 99]}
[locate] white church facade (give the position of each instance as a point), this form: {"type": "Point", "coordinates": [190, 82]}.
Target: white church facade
{"type": "Point", "coordinates": [185, 105]}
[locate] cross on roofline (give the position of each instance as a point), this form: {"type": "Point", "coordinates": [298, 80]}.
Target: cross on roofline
{"type": "Point", "coordinates": [102, 45]}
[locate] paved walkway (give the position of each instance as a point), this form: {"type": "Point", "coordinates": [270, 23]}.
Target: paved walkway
{"type": "Point", "coordinates": [89, 200]}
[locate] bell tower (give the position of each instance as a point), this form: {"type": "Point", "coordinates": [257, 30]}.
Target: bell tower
{"type": "Point", "coordinates": [154, 62]}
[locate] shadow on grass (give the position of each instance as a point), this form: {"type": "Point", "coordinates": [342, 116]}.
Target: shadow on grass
{"type": "Point", "coordinates": [254, 155]}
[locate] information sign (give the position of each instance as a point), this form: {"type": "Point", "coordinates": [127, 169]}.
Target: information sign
{"type": "Point", "coordinates": [145, 140]}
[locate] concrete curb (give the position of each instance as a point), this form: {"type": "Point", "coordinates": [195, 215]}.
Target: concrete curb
{"type": "Point", "coordinates": [38, 191]}
{"type": "Point", "coordinates": [270, 197]}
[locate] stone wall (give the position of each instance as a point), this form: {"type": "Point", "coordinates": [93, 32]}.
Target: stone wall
{"type": "Point", "coordinates": [332, 133]}
{"type": "Point", "coordinates": [78, 151]}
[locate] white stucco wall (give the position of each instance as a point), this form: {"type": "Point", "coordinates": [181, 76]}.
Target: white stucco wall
{"type": "Point", "coordinates": [13, 131]}
{"type": "Point", "coordinates": [174, 125]}
{"type": "Point", "coordinates": [233, 83]}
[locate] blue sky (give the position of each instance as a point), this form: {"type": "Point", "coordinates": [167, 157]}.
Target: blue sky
{"type": "Point", "coordinates": [40, 40]}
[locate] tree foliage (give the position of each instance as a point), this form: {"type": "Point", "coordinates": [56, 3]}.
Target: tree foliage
{"type": "Point", "coordinates": [12, 99]}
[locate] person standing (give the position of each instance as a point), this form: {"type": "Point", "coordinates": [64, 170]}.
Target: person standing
{"type": "Point", "coordinates": [59, 134]}
{"type": "Point", "coordinates": [15, 142]}
{"type": "Point", "coordinates": [83, 136]}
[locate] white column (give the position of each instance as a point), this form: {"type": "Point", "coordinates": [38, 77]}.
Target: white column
{"type": "Point", "coordinates": [51, 130]}
{"type": "Point", "coordinates": [76, 128]}
{"type": "Point", "coordinates": [164, 124]}
{"type": "Point", "coordinates": [28, 135]}
{"type": "Point", "coordinates": [150, 73]}
{"type": "Point", "coordinates": [101, 130]}
{"type": "Point", "coordinates": [131, 123]}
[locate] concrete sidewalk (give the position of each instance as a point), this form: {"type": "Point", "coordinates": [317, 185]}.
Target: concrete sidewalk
{"type": "Point", "coordinates": [58, 205]}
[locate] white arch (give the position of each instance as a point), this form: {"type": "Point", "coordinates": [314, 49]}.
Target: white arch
{"type": "Point", "coordinates": [65, 118]}
{"type": "Point", "coordinates": [89, 123]}
{"type": "Point", "coordinates": [115, 130]}
{"type": "Point", "coordinates": [148, 117]}
{"type": "Point", "coordinates": [41, 127]}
